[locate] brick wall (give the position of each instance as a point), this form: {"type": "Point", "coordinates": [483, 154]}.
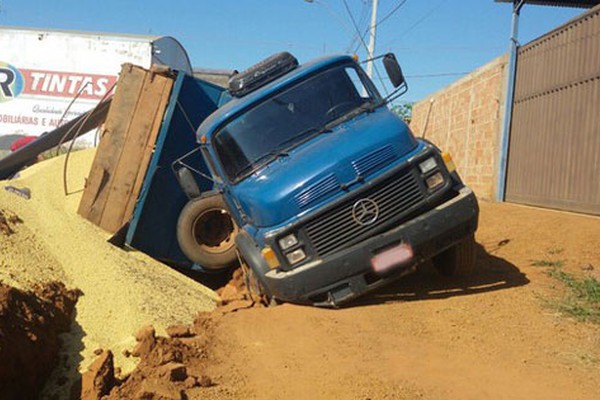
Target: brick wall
{"type": "Point", "coordinates": [465, 119]}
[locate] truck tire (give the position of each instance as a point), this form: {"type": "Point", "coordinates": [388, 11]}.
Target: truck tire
{"type": "Point", "coordinates": [253, 286]}
{"type": "Point", "coordinates": [255, 289]}
{"type": "Point", "coordinates": [458, 260]}
{"type": "Point", "coordinates": [206, 233]}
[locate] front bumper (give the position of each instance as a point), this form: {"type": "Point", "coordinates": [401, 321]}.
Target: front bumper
{"type": "Point", "coordinates": [347, 274]}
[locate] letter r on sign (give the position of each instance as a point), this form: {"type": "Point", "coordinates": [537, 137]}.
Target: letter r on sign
{"type": "Point", "coordinates": [7, 77]}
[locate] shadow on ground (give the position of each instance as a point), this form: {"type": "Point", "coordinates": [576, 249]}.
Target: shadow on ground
{"type": "Point", "coordinates": [492, 273]}
{"type": "Point", "coordinates": [65, 379]}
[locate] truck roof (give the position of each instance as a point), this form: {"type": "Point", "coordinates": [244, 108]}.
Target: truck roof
{"type": "Point", "coordinates": [237, 105]}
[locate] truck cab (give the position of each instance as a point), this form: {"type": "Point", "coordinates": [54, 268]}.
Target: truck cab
{"type": "Point", "coordinates": [321, 191]}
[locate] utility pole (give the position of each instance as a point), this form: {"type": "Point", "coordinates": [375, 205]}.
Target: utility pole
{"type": "Point", "coordinates": [372, 29]}
{"type": "Point", "coordinates": [508, 101]}
{"type": "Point", "coordinates": [371, 48]}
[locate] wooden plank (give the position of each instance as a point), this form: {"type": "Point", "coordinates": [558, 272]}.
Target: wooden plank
{"type": "Point", "coordinates": [139, 140]}
{"type": "Point", "coordinates": [108, 153]}
{"type": "Point", "coordinates": [148, 150]}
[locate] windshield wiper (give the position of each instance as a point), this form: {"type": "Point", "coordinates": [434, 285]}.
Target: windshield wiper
{"type": "Point", "coordinates": [306, 134]}
{"type": "Point", "coordinates": [368, 107]}
{"type": "Point", "coordinates": [260, 161]}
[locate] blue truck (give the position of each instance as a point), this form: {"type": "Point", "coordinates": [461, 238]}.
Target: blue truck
{"type": "Point", "coordinates": [316, 188]}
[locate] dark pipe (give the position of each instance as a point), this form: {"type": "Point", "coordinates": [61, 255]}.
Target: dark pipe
{"type": "Point", "coordinates": [12, 163]}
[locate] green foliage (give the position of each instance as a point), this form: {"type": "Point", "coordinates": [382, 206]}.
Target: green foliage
{"type": "Point", "coordinates": [582, 299]}
{"type": "Point", "coordinates": [404, 110]}
{"type": "Point", "coordinates": [547, 263]}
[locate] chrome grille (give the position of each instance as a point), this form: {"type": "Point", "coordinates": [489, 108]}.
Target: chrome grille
{"type": "Point", "coordinates": [336, 229]}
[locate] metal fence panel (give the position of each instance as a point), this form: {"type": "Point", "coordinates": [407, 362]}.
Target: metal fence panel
{"type": "Point", "coordinates": [554, 156]}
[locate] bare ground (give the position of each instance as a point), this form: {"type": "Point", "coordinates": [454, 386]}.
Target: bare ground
{"type": "Point", "coordinates": [492, 336]}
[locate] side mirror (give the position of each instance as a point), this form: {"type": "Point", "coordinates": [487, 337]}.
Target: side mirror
{"type": "Point", "coordinates": [187, 182]}
{"type": "Point", "coordinates": [392, 68]}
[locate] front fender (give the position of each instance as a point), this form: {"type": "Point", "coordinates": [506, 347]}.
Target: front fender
{"type": "Point", "coordinates": [250, 252]}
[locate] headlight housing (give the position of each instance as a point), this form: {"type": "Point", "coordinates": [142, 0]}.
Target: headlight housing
{"type": "Point", "coordinates": [288, 241]}
{"type": "Point", "coordinates": [428, 165]}
{"type": "Point", "coordinates": [292, 247]}
{"type": "Point", "coordinates": [296, 256]}
{"type": "Point", "coordinates": [435, 181]}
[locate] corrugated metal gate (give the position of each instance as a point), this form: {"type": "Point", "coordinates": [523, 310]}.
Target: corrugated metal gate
{"type": "Point", "coordinates": [554, 154]}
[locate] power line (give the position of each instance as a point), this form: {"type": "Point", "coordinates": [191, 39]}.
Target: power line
{"type": "Point", "coordinates": [362, 41]}
{"type": "Point", "coordinates": [437, 75]}
{"type": "Point", "coordinates": [442, 48]}
{"type": "Point", "coordinates": [387, 16]}
{"type": "Point", "coordinates": [423, 18]}
{"type": "Point", "coordinates": [362, 20]}
{"type": "Point", "coordinates": [365, 46]}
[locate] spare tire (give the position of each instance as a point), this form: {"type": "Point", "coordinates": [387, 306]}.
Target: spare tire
{"type": "Point", "coordinates": [206, 232]}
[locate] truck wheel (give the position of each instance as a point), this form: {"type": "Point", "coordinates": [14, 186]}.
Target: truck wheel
{"type": "Point", "coordinates": [206, 233]}
{"type": "Point", "coordinates": [459, 260]}
{"type": "Point", "coordinates": [253, 286]}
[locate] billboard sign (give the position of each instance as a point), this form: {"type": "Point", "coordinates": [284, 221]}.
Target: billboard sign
{"type": "Point", "coordinates": [41, 72]}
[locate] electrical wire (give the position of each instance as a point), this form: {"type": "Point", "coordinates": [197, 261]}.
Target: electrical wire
{"type": "Point", "coordinates": [418, 22]}
{"type": "Point", "coordinates": [60, 121]}
{"type": "Point", "coordinates": [426, 76]}
{"type": "Point", "coordinates": [101, 103]}
{"type": "Point", "coordinates": [362, 20]}
{"type": "Point", "coordinates": [386, 17]}
{"type": "Point", "coordinates": [392, 12]}
{"type": "Point", "coordinates": [383, 85]}
{"type": "Point", "coordinates": [437, 75]}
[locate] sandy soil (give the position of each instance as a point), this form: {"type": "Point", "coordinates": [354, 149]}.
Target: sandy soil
{"type": "Point", "coordinates": [491, 336]}
{"type": "Point", "coordinates": [121, 290]}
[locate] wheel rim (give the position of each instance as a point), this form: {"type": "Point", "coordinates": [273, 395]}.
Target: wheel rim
{"type": "Point", "coordinates": [214, 231]}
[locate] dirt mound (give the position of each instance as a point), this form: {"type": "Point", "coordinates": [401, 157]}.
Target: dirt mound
{"type": "Point", "coordinates": [172, 367]}
{"type": "Point", "coordinates": [7, 222]}
{"type": "Point", "coordinates": [123, 289]}
{"type": "Point", "coordinates": [30, 322]}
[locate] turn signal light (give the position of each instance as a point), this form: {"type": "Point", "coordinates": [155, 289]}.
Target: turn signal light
{"type": "Point", "coordinates": [270, 257]}
{"type": "Point", "coordinates": [449, 162]}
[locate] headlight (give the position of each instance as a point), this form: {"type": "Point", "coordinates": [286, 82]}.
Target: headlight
{"type": "Point", "coordinates": [434, 180]}
{"type": "Point", "coordinates": [288, 241]}
{"type": "Point", "coordinates": [428, 165]}
{"type": "Point", "coordinates": [296, 256]}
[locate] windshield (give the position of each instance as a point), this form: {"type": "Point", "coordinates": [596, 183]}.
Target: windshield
{"type": "Point", "coordinates": [289, 118]}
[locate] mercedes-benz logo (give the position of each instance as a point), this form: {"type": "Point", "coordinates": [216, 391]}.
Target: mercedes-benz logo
{"type": "Point", "coordinates": [365, 212]}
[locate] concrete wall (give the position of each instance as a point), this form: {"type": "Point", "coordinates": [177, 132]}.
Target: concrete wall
{"type": "Point", "coordinates": [465, 119]}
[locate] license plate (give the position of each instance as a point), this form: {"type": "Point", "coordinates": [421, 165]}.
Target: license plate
{"type": "Point", "coordinates": [388, 259]}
